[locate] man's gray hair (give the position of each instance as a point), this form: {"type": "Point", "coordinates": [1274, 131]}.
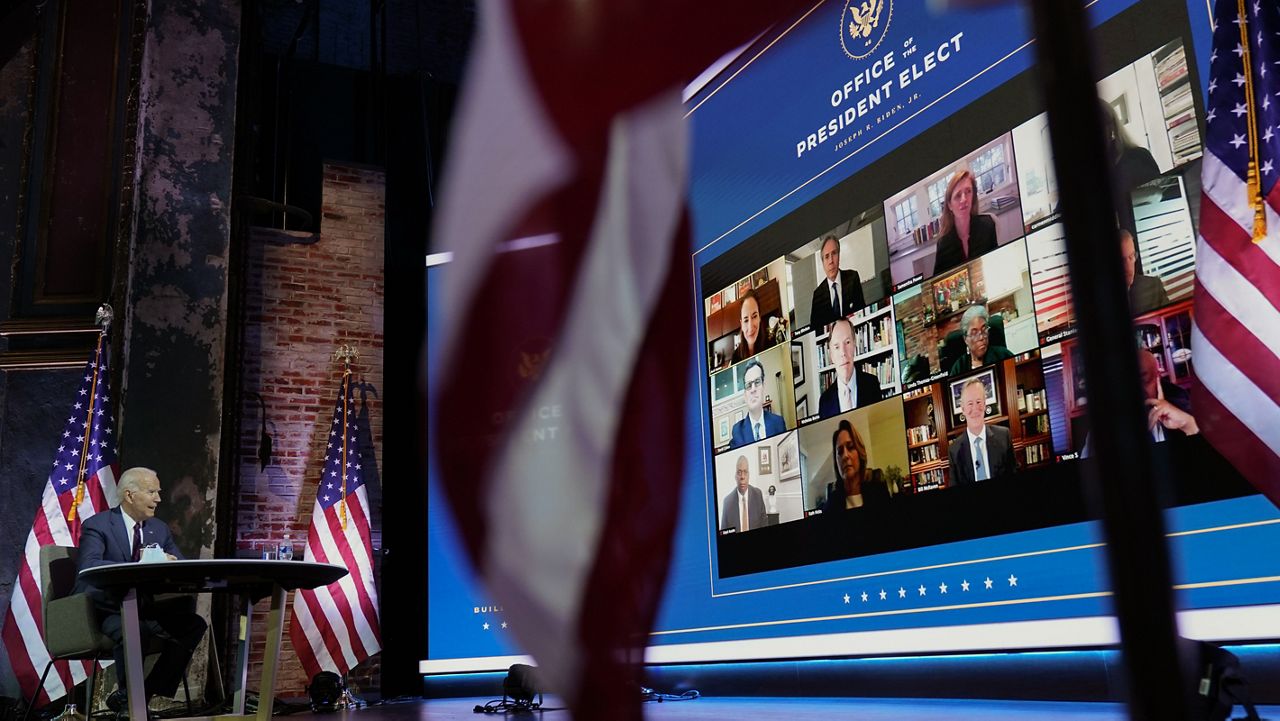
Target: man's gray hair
{"type": "Point", "coordinates": [131, 480]}
{"type": "Point", "coordinates": [974, 382]}
{"type": "Point", "coordinates": [977, 310]}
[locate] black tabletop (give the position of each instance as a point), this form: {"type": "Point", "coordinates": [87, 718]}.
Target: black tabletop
{"type": "Point", "coordinates": [249, 575]}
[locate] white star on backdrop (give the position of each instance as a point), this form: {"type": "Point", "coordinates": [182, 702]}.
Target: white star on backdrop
{"type": "Point", "coordinates": [988, 582]}
{"type": "Point", "coordinates": [882, 594]}
{"type": "Point", "coordinates": [1013, 580]}
{"type": "Point", "coordinates": [902, 592]}
{"type": "Point", "coordinates": [942, 588]}
{"type": "Point", "coordinates": [846, 598]}
{"type": "Point", "coordinates": [864, 596]}
{"type": "Point", "coordinates": [921, 589]}
{"type": "Point", "coordinates": [964, 585]}
{"type": "Point", "coordinates": [486, 627]}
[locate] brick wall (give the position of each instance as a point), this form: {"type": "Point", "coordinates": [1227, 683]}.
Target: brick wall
{"type": "Point", "coordinates": [301, 303]}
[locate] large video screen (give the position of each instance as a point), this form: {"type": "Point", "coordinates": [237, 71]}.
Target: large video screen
{"type": "Point", "coordinates": [889, 410]}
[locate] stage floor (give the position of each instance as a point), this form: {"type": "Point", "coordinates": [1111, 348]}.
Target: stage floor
{"type": "Point", "coordinates": [823, 709]}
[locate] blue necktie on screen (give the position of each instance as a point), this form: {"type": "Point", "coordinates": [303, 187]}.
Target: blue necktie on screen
{"type": "Point", "coordinates": [980, 465]}
{"type": "Point", "coordinates": [759, 431]}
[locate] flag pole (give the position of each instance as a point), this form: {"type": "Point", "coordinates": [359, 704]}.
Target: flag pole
{"type": "Point", "coordinates": [103, 320]}
{"type": "Point", "coordinates": [1253, 181]}
{"type": "Point", "coordinates": [345, 353]}
{"type": "Point", "coordinates": [1118, 477]}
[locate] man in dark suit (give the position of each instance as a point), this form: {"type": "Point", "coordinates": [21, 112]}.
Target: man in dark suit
{"type": "Point", "coordinates": [118, 536]}
{"type": "Point", "coordinates": [743, 509]}
{"type": "Point", "coordinates": [759, 423]}
{"type": "Point", "coordinates": [982, 451]}
{"type": "Point", "coordinates": [852, 388]}
{"type": "Point", "coordinates": [1146, 293]}
{"type": "Point", "coordinates": [839, 294]}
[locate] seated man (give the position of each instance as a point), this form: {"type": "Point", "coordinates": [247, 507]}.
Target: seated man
{"type": "Point", "coordinates": [840, 294]}
{"type": "Point", "coordinates": [758, 423]}
{"type": "Point", "coordinates": [984, 450]}
{"type": "Point", "coordinates": [1146, 293]}
{"type": "Point", "coordinates": [979, 351]}
{"type": "Point", "coordinates": [743, 508]}
{"type": "Point", "coordinates": [852, 388]}
{"type": "Point", "coordinates": [118, 536]}
{"type": "Point", "coordinates": [1168, 406]}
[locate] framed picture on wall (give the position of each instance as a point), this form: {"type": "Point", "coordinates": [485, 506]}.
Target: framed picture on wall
{"type": "Point", "coordinates": [789, 457]}
{"type": "Point", "coordinates": [802, 406]}
{"type": "Point", "coordinates": [988, 378]}
{"type": "Point", "coordinates": [766, 460]}
{"type": "Point", "coordinates": [797, 363]}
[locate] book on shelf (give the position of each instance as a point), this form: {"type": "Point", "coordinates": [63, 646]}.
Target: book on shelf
{"type": "Point", "coordinates": [1035, 453]}
{"type": "Point", "coordinates": [930, 480]}
{"type": "Point", "coordinates": [884, 369]}
{"type": "Point", "coordinates": [923, 454]}
{"type": "Point", "coordinates": [921, 434]}
{"type": "Point", "coordinates": [876, 334]}
{"type": "Point", "coordinates": [1036, 425]}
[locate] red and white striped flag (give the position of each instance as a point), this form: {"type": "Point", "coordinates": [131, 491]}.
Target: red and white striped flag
{"type": "Point", "coordinates": [559, 402]}
{"type": "Point", "coordinates": [335, 627]}
{"type": "Point", "coordinates": [84, 479]}
{"type": "Point", "coordinates": [1236, 337]}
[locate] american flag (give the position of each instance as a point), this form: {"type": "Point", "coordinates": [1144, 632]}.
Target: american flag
{"type": "Point", "coordinates": [559, 401]}
{"type": "Point", "coordinates": [84, 479]}
{"type": "Point", "coordinates": [1236, 336]}
{"type": "Point", "coordinates": [336, 627]}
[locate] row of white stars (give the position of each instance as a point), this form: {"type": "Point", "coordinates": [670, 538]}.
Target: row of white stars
{"type": "Point", "coordinates": [923, 590]}
{"type": "Point", "coordinates": [485, 625]}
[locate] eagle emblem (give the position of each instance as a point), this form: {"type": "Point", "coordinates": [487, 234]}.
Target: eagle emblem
{"type": "Point", "coordinates": [865, 17]}
{"type": "Point", "coordinates": [864, 26]}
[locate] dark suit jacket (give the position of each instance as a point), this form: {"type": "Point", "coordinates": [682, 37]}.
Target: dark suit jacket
{"type": "Point", "coordinates": [868, 393]}
{"type": "Point", "coordinates": [1146, 294]}
{"type": "Point", "coordinates": [982, 239]}
{"type": "Point", "coordinates": [999, 453]}
{"type": "Point", "coordinates": [874, 493]}
{"type": "Point", "coordinates": [103, 540]}
{"type": "Point", "coordinates": [755, 509]}
{"type": "Point", "coordinates": [821, 312]}
{"type": "Point", "coordinates": [743, 435]}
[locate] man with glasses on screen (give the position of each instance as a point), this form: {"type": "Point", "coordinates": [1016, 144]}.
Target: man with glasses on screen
{"type": "Point", "coordinates": [840, 293]}
{"type": "Point", "coordinates": [743, 509]}
{"type": "Point", "coordinates": [851, 388]}
{"type": "Point", "coordinates": [982, 451]}
{"type": "Point", "coordinates": [759, 423]}
{"type": "Point", "coordinates": [977, 342]}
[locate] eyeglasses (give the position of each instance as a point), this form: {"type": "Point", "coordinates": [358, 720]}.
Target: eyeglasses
{"type": "Point", "coordinates": [977, 333]}
{"type": "Point", "coordinates": [756, 383]}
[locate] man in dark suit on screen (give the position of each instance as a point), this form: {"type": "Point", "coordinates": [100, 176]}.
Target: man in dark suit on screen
{"type": "Point", "coordinates": [851, 388]}
{"type": "Point", "coordinates": [839, 294]}
{"type": "Point", "coordinates": [119, 536]}
{"type": "Point", "coordinates": [759, 423]}
{"type": "Point", "coordinates": [982, 451]}
{"type": "Point", "coordinates": [1146, 293]}
{"type": "Point", "coordinates": [743, 509]}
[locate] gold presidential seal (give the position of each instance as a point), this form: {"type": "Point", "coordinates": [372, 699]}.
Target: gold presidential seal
{"type": "Point", "coordinates": [863, 24]}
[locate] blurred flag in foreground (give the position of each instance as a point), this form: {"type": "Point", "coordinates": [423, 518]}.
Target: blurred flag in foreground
{"type": "Point", "coordinates": [1236, 337]}
{"type": "Point", "coordinates": [559, 398]}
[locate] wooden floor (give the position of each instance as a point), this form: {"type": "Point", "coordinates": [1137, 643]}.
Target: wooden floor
{"type": "Point", "coordinates": [737, 709]}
